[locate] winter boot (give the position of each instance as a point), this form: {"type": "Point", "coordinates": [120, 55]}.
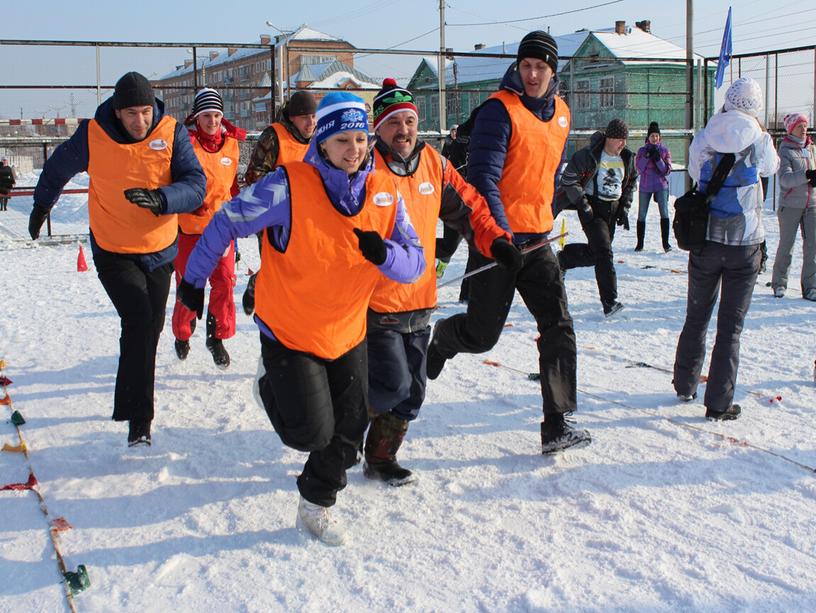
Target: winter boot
{"type": "Point", "coordinates": [139, 433]}
{"type": "Point", "coordinates": [385, 435]}
{"type": "Point", "coordinates": [248, 299]}
{"type": "Point", "coordinates": [216, 345]}
{"type": "Point", "coordinates": [319, 522]}
{"type": "Point", "coordinates": [641, 233]}
{"type": "Point", "coordinates": [610, 310]}
{"type": "Point", "coordinates": [665, 224]}
{"type": "Point", "coordinates": [182, 349]}
{"type": "Point", "coordinates": [558, 434]}
{"type": "Point", "coordinates": [731, 413]}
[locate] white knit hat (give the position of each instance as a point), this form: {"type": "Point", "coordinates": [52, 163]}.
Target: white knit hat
{"type": "Point", "coordinates": [744, 95]}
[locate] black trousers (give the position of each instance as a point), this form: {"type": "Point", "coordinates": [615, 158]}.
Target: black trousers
{"type": "Point", "coordinates": [319, 406]}
{"type": "Point", "coordinates": [140, 299]}
{"type": "Point", "coordinates": [541, 287]}
{"type": "Point", "coordinates": [731, 272]}
{"type": "Point", "coordinates": [396, 371]}
{"type": "Point", "coordinates": [597, 251]}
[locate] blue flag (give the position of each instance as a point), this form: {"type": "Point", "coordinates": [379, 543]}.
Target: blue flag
{"type": "Point", "coordinates": [725, 52]}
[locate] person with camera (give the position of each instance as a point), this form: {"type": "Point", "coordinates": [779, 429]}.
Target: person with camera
{"type": "Point", "coordinates": [728, 261]}
{"type": "Point", "coordinates": [653, 163]}
{"type": "Point", "coordinates": [598, 182]}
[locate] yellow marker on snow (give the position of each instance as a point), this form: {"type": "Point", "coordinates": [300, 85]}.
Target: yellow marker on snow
{"type": "Point", "coordinates": [21, 448]}
{"type": "Point", "coordinates": [563, 240]}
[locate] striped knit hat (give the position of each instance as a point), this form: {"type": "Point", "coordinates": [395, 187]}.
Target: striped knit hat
{"type": "Point", "coordinates": [539, 45]}
{"type": "Point", "coordinates": [340, 112]}
{"type": "Point", "coordinates": [791, 120]}
{"type": "Point", "coordinates": [207, 100]}
{"type": "Point", "coordinates": [392, 99]}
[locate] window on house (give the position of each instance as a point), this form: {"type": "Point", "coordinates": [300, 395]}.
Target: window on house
{"type": "Point", "coordinates": [582, 97]}
{"type": "Point", "coordinates": [607, 92]}
{"type": "Point", "coordinates": [316, 59]}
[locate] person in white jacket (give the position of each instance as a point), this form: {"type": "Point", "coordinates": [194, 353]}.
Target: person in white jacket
{"type": "Point", "coordinates": [729, 262]}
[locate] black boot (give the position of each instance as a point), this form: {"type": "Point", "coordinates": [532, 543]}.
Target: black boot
{"type": "Point", "coordinates": [182, 349]}
{"type": "Point", "coordinates": [385, 435]}
{"type": "Point", "coordinates": [139, 433]}
{"type": "Point", "coordinates": [248, 299]}
{"type": "Point", "coordinates": [558, 433]}
{"type": "Point", "coordinates": [216, 345]}
{"type": "Point", "coordinates": [641, 233]}
{"type": "Point", "coordinates": [665, 225]}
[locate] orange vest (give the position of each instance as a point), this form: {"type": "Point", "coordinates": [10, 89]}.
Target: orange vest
{"type": "Point", "coordinates": [289, 148]}
{"type": "Point", "coordinates": [117, 224]}
{"type": "Point", "coordinates": [221, 168]}
{"type": "Point", "coordinates": [422, 193]}
{"type": "Point", "coordinates": [313, 296]}
{"type": "Point", "coordinates": [533, 156]}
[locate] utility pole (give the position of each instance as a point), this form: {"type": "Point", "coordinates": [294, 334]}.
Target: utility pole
{"type": "Point", "coordinates": [73, 106]}
{"type": "Point", "coordinates": [441, 69]}
{"type": "Point", "coordinates": [689, 79]}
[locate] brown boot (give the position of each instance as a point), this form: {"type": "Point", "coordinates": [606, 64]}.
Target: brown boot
{"type": "Point", "coordinates": [385, 435]}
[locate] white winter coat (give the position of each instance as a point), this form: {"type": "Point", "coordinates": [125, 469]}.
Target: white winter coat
{"type": "Point", "coordinates": [736, 217]}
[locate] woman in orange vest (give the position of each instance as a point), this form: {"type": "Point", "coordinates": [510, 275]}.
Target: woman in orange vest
{"type": "Point", "coordinates": [332, 227]}
{"type": "Point", "coordinates": [215, 142]}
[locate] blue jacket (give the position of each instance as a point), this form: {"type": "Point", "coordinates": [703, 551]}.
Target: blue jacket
{"type": "Point", "coordinates": [491, 137]}
{"type": "Point", "coordinates": [184, 194]}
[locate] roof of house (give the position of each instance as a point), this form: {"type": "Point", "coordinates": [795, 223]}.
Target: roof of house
{"type": "Point", "coordinates": [636, 43]}
{"type": "Point", "coordinates": [303, 33]}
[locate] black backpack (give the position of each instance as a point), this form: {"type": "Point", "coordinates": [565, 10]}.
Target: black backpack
{"type": "Point", "coordinates": [691, 210]}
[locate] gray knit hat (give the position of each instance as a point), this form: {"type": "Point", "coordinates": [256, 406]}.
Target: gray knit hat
{"type": "Point", "coordinates": [133, 89]}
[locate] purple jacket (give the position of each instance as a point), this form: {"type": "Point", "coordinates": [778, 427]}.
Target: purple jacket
{"type": "Point", "coordinates": [653, 173]}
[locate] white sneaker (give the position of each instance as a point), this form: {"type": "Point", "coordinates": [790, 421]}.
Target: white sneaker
{"type": "Point", "coordinates": [319, 522]}
{"type": "Point", "coordinates": [779, 292]}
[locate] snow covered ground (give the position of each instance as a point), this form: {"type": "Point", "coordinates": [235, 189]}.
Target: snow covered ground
{"type": "Point", "coordinates": [664, 511]}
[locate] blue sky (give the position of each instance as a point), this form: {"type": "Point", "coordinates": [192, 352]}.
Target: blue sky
{"type": "Point", "coordinates": [369, 24]}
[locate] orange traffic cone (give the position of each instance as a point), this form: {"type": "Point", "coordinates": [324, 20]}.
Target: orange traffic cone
{"type": "Point", "coordinates": [82, 266]}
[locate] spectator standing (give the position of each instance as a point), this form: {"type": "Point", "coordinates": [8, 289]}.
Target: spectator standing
{"type": "Point", "coordinates": [7, 182]}
{"type": "Point", "coordinates": [653, 163]}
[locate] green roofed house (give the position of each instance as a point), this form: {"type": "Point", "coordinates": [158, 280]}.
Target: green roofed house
{"type": "Point", "coordinates": [624, 72]}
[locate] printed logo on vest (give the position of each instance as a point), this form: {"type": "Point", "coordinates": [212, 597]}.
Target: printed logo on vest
{"type": "Point", "coordinates": [158, 144]}
{"type": "Point", "coordinates": [562, 121]}
{"type": "Point", "coordinates": [383, 199]}
{"type": "Point", "coordinates": [426, 188]}
{"type": "Point", "coordinates": [226, 162]}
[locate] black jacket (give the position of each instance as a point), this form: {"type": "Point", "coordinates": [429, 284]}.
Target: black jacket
{"type": "Point", "coordinates": [582, 168]}
{"type": "Point", "coordinates": [6, 179]}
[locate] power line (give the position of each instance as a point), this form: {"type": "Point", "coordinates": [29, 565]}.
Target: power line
{"type": "Point", "coordinates": [492, 23]}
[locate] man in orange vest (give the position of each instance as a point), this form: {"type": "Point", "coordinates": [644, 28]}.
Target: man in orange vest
{"type": "Point", "coordinates": [216, 144]}
{"type": "Point", "coordinates": [143, 173]}
{"type": "Point", "coordinates": [284, 141]}
{"type": "Point", "coordinates": [399, 314]}
{"type": "Point", "coordinates": [516, 148]}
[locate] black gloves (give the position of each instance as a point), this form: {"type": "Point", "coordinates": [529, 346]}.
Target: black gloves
{"type": "Point", "coordinates": [507, 254]}
{"type": "Point", "coordinates": [150, 199]}
{"type": "Point", "coordinates": [654, 154]}
{"type": "Point", "coordinates": [191, 297]}
{"type": "Point", "coordinates": [372, 246]}
{"type": "Point", "coordinates": [585, 213]}
{"type": "Point", "coordinates": [36, 220]}
{"type": "Point", "coordinates": [623, 217]}
{"type": "Point", "coordinates": [811, 177]}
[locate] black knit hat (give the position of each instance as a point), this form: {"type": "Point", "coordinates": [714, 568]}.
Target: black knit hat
{"type": "Point", "coordinates": [133, 89]}
{"type": "Point", "coordinates": [617, 128]}
{"type": "Point", "coordinates": [301, 103]}
{"type": "Point", "coordinates": [540, 45]}
{"type": "Point", "coordinates": [653, 129]}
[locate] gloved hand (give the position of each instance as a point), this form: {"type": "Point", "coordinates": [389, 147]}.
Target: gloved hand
{"type": "Point", "coordinates": [36, 220]}
{"type": "Point", "coordinates": [507, 254]}
{"type": "Point", "coordinates": [585, 213]}
{"type": "Point", "coordinates": [811, 177]}
{"type": "Point", "coordinates": [654, 154]}
{"type": "Point", "coordinates": [623, 217]}
{"type": "Point", "coordinates": [191, 297]}
{"type": "Point", "coordinates": [150, 199]}
{"type": "Point", "coordinates": [372, 246]}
